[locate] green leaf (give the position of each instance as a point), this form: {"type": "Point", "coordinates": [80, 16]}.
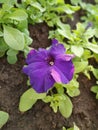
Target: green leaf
{"type": "Point", "coordinates": [28, 40]}
{"type": "Point", "coordinates": [69, 9]}
{"type": "Point", "coordinates": [66, 8]}
{"type": "Point", "coordinates": [65, 31]}
{"type": "Point", "coordinates": [65, 107]}
{"type": "Point", "coordinates": [80, 66]}
{"type": "Point", "coordinates": [94, 89]}
{"type": "Point", "coordinates": [12, 59]}
{"type": "Point", "coordinates": [64, 128]}
{"type": "Point", "coordinates": [96, 57]}
{"type": "Point", "coordinates": [12, 56]}
{"type": "Point", "coordinates": [95, 72]}
{"type": "Point", "coordinates": [2, 1]}
{"type": "Point", "coordinates": [14, 38]}
{"type": "Point", "coordinates": [72, 88]}
{"type": "Point", "coordinates": [96, 34]}
{"type": "Point", "coordinates": [96, 1]}
{"type": "Point", "coordinates": [22, 25]}
{"type": "Point", "coordinates": [12, 52]}
{"type": "Point", "coordinates": [3, 118]}
{"type": "Point", "coordinates": [88, 33]}
{"type": "Point", "coordinates": [2, 54]}
{"type": "Point", "coordinates": [75, 2]}
{"type": "Point", "coordinates": [92, 47]}
{"type": "Point", "coordinates": [28, 99]}
{"type": "Point", "coordinates": [74, 128]}
{"type": "Point", "coordinates": [54, 106]}
{"type": "Point", "coordinates": [77, 50]}
{"type": "Point", "coordinates": [9, 2]}
{"type": "Point", "coordinates": [60, 2]}
{"type": "Point", "coordinates": [38, 6]}
{"type": "Point", "coordinates": [80, 29]}
{"type": "Point", "coordinates": [47, 99]}
{"type": "Point", "coordinates": [3, 45]}
{"type": "Point", "coordinates": [18, 15]}
{"type": "Point", "coordinates": [96, 95]}
{"type": "Point", "coordinates": [87, 54]}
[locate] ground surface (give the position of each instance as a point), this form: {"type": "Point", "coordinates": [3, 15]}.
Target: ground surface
{"type": "Point", "coordinates": [41, 117]}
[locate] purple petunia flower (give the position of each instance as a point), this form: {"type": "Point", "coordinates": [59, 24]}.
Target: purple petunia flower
{"type": "Point", "coordinates": [46, 67]}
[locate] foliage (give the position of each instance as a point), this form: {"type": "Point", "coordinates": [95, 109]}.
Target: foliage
{"type": "Point", "coordinates": [60, 101]}
{"type": "Point", "coordinates": [49, 11]}
{"type": "Point", "coordinates": [14, 34]}
{"type": "Point", "coordinates": [57, 101]}
{"type": "Point", "coordinates": [4, 116]}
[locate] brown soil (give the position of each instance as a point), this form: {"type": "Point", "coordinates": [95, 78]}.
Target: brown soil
{"type": "Point", "coordinates": [41, 117]}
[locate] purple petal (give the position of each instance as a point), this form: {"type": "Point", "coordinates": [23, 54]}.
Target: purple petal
{"type": "Point", "coordinates": [57, 49]}
{"type": "Point", "coordinates": [37, 80]}
{"type": "Point", "coordinates": [66, 67]}
{"type": "Point", "coordinates": [58, 76]}
{"type": "Point", "coordinates": [41, 80]}
{"type": "Point", "coordinates": [39, 75]}
{"type": "Point", "coordinates": [29, 56]}
{"type": "Point", "coordinates": [54, 41]}
{"type": "Point", "coordinates": [49, 82]}
{"type": "Point", "coordinates": [34, 66]}
{"type": "Point", "coordinates": [36, 56]}
{"type": "Point", "coordinates": [65, 57]}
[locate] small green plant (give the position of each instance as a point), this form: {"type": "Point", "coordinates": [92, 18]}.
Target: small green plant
{"type": "Point", "coordinates": [72, 128]}
{"type": "Point", "coordinates": [4, 116]}
{"type": "Point", "coordinates": [58, 101]}
{"type": "Point", "coordinates": [50, 63]}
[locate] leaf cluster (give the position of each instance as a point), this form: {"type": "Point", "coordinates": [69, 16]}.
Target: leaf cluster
{"type": "Point", "coordinates": [83, 40]}
{"type": "Point", "coordinates": [50, 11]}
{"type": "Point", "coordinates": [14, 34]}
{"type": "Point", "coordinates": [91, 21]}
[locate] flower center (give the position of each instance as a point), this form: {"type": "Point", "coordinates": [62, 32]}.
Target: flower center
{"type": "Point", "coordinates": [51, 63]}
{"type": "Point", "coordinates": [50, 60]}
